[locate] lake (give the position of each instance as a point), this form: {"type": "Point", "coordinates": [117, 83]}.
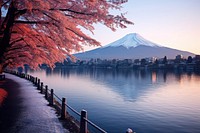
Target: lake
{"type": "Point", "coordinates": [145, 101]}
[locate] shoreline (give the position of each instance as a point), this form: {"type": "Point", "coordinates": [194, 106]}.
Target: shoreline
{"type": "Point", "coordinates": [25, 109]}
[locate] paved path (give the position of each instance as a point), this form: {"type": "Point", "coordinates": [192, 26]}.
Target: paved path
{"type": "Point", "coordinates": [25, 110]}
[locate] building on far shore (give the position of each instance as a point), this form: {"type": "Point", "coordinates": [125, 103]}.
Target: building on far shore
{"type": "Point", "coordinates": [179, 57]}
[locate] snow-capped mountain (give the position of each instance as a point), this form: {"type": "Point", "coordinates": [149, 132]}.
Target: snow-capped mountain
{"type": "Point", "coordinates": [132, 40]}
{"type": "Point", "coordinates": [132, 46]}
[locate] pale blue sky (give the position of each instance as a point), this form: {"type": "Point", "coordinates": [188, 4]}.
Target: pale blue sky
{"type": "Point", "coordinates": [171, 23]}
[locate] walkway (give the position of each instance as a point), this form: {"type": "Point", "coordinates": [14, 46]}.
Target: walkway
{"type": "Point", "coordinates": [25, 110]}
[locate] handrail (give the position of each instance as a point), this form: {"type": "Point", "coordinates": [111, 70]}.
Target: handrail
{"type": "Point", "coordinates": [76, 112]}
{"type": "Point", "coordinates": [94, 125]}
{"type": "Point", "coordinates": [57, 97]}
{"type": "Point", "coordinates": [32, 78]}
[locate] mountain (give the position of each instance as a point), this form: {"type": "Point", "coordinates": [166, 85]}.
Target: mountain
{"type": "Point", "coordinates": [132, 46]}
{"type": "Point", "coordinates": [132, 40]}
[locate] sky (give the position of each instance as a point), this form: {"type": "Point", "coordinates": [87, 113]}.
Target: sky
{"type": "Point", "coordinates": [170, 23]}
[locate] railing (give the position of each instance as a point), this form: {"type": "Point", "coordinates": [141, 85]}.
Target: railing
{"type": "Point", "coordinates": [59, 104]}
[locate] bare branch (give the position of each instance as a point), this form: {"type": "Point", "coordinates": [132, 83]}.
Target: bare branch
{"type": "Point", "coordinates": [50, 17]}
{"type": "Point", "coordinates": [5, 3]}
{"type": "Point", "coordinates": [18, 40]}
{"type": "Point", "coordinates": [18, 48]}
{"type": "Point", "coordinates": [69, 10]}
{"type": "Point", "coordinates": [31, 22]}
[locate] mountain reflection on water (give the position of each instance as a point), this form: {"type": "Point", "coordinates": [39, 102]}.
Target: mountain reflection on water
{"type": "Point", "coordinates": [146, 101]}
{"type": "Point", "coordinates": [128, 83]}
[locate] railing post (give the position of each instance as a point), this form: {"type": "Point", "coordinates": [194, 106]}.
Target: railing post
{"type": "Point", "coordinates": [32, 78]}
{"type": "Point", "coordinates": [83, 122]}
{"type": "Point", "coordinates": [41, 87]}
{"type": "Point", "coordinates": [46, 92]}
{"type": "Point", "coordinates": [36, 79]}
{"type": "Point", "coordinates": [38, 85]}
{"type": "Point", "coordinates": [63, 111]}
{"type": "Point", "coordinates": [51, 98]}
{"type": "Point", "coordinates": [33, 81]}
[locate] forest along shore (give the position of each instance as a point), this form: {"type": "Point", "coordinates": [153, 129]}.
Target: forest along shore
{"type": "Point", "coordinates": [24, 109]}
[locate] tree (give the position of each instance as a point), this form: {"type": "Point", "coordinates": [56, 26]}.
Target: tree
{"type": "Point", "coordinates": [34, 32]}
{"type": "Point", "coordinates": [165, 60]}
{"type": "Point", "coordinates": [189, 60]}
{"type": "Point", "coordinates": [156, 62]}
{"type": "Point", "coordinates": [143, 61]}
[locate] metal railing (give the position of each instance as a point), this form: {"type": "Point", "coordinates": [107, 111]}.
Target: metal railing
{"type": "Point", "coordinates": [61, 104]}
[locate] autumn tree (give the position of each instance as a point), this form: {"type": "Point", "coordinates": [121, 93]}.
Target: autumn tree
{"type": "Point", "coordinates": [189, 60]}
{"type": "Point", "coordinates": [164, 60]}
{"type": "Point", "coordinates": [46, 31]}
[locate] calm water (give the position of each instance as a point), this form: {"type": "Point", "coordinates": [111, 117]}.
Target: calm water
{"type": "Point", "coordinates": [147, 102]}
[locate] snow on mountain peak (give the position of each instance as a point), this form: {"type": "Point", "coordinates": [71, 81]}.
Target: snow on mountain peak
{"type": "Point", "coordinates": [132, 40]}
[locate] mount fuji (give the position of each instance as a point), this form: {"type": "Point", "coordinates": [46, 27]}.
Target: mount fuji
{"type": "Point", "coordinates": [132, 46]}
{"type": "Point", "coordinates": [131, 41]}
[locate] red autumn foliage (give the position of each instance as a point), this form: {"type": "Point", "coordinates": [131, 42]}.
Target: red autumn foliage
{"type": "Point", "coordinates": [34, 32]}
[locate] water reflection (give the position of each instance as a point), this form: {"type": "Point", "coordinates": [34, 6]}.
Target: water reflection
{"type": "Point", "coordinates": [143, 74]}
{"type": "Point", "coordinates": [151, 101]}
{"type": "Point", "coordinates": [127, 83]}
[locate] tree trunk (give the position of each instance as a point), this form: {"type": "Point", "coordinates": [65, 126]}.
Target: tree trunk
{"type": "Point", "coordinates": [1, 69]}
{"type": "Point", "coordinates": [4, 41]}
